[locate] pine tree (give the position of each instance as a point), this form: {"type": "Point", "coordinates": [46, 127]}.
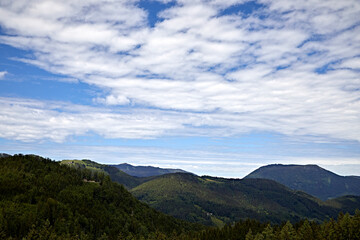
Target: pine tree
{"type": "Point", "coordinates": [356, 224]}
{"type": "Point", "coordinates": [288, 232]}
{"type": "Point", "coordinates": [306, 232]}
{"type": "Point", "coordinates": [268, 233]}
{"type": "Point", "coordinates": [259, 236]}
{"type": "Point", "coordinates": [249, 235]}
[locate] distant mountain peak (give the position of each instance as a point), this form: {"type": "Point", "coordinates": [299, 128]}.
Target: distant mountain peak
{"type": "Point", "coordinates": [310, 178]}
{"type": "Point", "coordinates": [292, 165]}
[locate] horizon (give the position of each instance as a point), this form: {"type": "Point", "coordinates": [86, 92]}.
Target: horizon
{"type": "Point", "coordinates": [211, 87]}
{"type": "Point", "coordinates": [201, 175]}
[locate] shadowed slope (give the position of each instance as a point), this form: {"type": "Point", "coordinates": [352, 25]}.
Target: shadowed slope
{"type": "Point", "coordinates": [211, 200]}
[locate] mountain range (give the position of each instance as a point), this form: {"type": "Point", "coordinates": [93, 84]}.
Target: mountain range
{"type": "Point", "coordinates": [211, 200]}
{"type": "Point", "coordinates": [311, 179]}
{"type": "Point", "coordinates": [145, 171]}
{"type": "Point", "coordinates": [217, 201]}
{"type": "Point", "coordinates": [42, 199]}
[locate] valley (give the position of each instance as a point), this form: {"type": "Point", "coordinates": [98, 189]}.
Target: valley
{"type": "Point", "coordinates": [219, 201]}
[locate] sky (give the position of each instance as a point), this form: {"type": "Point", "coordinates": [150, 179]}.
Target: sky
{"type": "Point", "coordinates": [213, 87]}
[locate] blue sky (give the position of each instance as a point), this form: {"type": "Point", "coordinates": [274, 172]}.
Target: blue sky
{"type": "Point", "coordinates": [213, 87]}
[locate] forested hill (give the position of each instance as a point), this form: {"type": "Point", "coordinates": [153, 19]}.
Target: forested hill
{"type": "Point", "coordinates": [115, 174]}
{"type": "Point", "coordinates": [216, 201]}
{"type": "Point", "coordinates": [212, 200]}
{"type": "Point", "coordinates": [311, 179]}
{"type": "Point", "coordinates": [145, 171]}
{"type": "Point", "coordinates": [41, 199]}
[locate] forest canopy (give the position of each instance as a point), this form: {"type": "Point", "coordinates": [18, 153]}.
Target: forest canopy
{"type": "Point", "coordinates": [42, 199]}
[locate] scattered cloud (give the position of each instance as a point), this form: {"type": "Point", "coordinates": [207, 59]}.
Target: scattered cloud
{"type": "Point", "coordinates": [30, 120]}
{"type": "Point", "coordinates": [2, 74]}
{"type": "Point", "coordinates": [287, 67]}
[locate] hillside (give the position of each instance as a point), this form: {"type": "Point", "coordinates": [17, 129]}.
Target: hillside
{"type": "Point", "coordinates": [311, 179]}
{"type": "Point", "coordinates": [211, 200]}
{"type": "Point", "coordinates": [215, 201]}
{"type": "Point", "coordinates": [42, 199]}
{"type": "Point", "coordinates": [145, 171]}
{"type": "Point", "coordinates": [115, 174]}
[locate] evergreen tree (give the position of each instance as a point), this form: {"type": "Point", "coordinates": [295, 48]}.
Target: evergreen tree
{"type": "Point", "coordinates": [249, 235]}
{"type": "Point", "coordinates": [41, 199]}
{"type": "Point", "coordinates": [268, 233]}
{"type": "Point", "coordinates": [287, 232]}
{"type": "Point", "coordinates": [306, 232]}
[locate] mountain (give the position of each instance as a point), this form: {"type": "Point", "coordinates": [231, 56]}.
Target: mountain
{"type": "Point", "coordinates": [4, 155]}
{"type": "Point", "coordinates": [115, 174]}
{"type": "Point", "coordinates": [42, 199]}
{"type": "Point", "coordinates": [311, 179]}
{"type": "Point", "coordinates": [145, 171]}
{"type": "Point", "coordinates": [215, 201]}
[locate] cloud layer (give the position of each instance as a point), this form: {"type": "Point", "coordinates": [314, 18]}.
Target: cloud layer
{"type": "Point", "coordinates": [205, 68]}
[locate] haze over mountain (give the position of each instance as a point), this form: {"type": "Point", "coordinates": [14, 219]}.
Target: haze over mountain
{"type": "Point", "coordinates": [4, 155]}
{"type": "Point", "coordinates": [311, 179]}
{"type": "Point", "coordinates": [145, 171]}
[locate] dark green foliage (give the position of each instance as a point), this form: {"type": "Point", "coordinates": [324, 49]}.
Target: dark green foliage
{"type": "Point", "coordinates": [115, 174]}
{"type": "Point", "coordinates": [41, 199]}
{"type": "Point", "coordinates": [311, 179]}
{"type": "Point", "coordinates": [346, 203]}
{"type": "Point", "coordinates": [346, 227]}
{"type": "Point", "coordinates": [217, 201]}
{"type": "Point", "coordinates": [213, 201]}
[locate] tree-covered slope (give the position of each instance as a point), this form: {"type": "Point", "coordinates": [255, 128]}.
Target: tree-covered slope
{"type": "Point", "coordinates": [311, 179]}
{"type": "Point", "coordinates": [211, 200]}
{"type": "Point", "coordinates": [42, 199]}
{"type": "Point", "coordinates": [145, 171]}
{"type": "Point", "coordinates": [346, 203]}
{"type": "Point", "coordinates": [115, 174]}
{"type": "Point", "coordinates": [345, 227]}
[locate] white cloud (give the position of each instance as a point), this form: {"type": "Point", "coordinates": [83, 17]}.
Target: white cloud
{"type": "Point", "coordinates": [353, 63]}
{"type": "Point", "coordinates": [2, 74]}
{"type": "Point", "coordinates": [199, 69]}
{"type": "Point", "coordinates": [28, 120]}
